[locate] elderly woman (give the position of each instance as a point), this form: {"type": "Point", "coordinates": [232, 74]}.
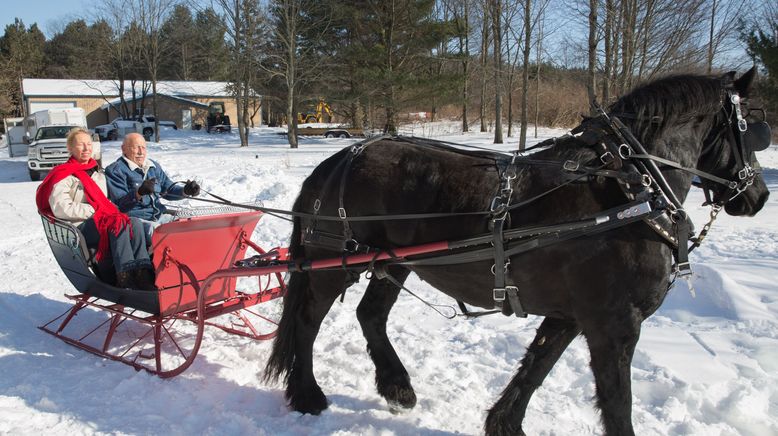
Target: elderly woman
{"type": "Point", "coordinates": [76, 192]}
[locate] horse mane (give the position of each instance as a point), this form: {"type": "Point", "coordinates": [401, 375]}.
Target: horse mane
{"type": "Point", "coordinates": [652, 108]}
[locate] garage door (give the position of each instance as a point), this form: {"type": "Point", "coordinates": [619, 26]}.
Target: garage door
{"type": "Point", "coordinates": [35, 106]}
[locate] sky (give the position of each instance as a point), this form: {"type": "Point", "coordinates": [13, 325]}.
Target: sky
{"type": "Point", "coordinates": [51, 15]}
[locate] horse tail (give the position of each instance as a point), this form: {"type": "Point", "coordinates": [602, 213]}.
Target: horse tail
{"type": "Point", "coordinates": [282, 356]}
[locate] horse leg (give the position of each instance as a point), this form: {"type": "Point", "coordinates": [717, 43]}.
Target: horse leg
{"type": "Point", "coordinates": [391, 378]}
{"type": "Point", "coordinates": [612, 345]}
{"type": "Point", "coordinates": [322, 289]}
{"type": "Point", "coordinates": [551, 340]}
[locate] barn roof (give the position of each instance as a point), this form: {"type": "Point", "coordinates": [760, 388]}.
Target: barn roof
{"type": "Point", "coordinates": [110, 88]}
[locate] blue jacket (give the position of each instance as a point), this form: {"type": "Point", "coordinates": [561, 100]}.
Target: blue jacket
{"type": "Point", "coordinates": [123, 183]}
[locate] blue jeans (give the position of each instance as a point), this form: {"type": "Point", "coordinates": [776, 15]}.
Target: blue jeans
{"type": "Point", "coordinates": [128, 253]}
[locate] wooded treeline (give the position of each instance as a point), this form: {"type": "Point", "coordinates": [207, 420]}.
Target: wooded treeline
{"type": "Point", "coordinates": [493, 64]}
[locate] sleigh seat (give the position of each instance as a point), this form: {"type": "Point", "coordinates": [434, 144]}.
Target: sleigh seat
{"type": "Point", "coordinates": [88, 277]}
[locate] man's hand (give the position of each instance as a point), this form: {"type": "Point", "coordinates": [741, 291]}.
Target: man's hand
{"type": "Point", "coordinates": [191, 188]}
{"type": "Point", "coordinates": [147, 187]}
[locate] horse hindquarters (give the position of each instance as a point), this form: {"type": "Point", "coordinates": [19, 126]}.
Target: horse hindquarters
{"type": "Point", "coordinates": [392, 380]}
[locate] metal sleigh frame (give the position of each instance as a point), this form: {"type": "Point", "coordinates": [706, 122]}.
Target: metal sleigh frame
{"type": "Point", "coordinates": [193, 289]}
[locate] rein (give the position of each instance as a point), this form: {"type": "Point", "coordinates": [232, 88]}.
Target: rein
{"type": "Point", "coordinates": [626, 160]}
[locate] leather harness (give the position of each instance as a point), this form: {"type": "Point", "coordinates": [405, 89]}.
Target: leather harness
{"type": "Point", "coordinates": [622, 157]}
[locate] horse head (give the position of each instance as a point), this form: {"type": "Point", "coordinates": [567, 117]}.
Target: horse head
{"type": "Point", "coordinates": [703, 122]}
{"type": "Point", "coordinates": [729, 151]}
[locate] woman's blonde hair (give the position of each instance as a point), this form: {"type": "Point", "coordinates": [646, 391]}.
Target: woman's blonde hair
{"type": "Point", "coordinates": [72, 135]}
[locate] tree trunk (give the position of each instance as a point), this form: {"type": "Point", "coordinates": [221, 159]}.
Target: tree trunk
{"type": "Point", "coordinates": [154, 107]}
{"type": "Point", "coordinates": [497, 31]}
{"type": "Point", "coordinates": [291, 117]}
{"type": "Point", "coordinates": [608, 67]}
{"type": "Point", "coordinates": [537, 73]}
{"type": "Point", "coordinates": [484, 55]}
{"type": "Point", "coordinates": [525, 73]}
{"type": "Point", "coordinates": [591, 78]}
{"type": "Point", "coordinates": [710, 37]}
{"type": "Point", "coordinates": [465, 64]}
{"type": "Point", "coordinates": [247, 119]}
{"type": "Point", "coordinates": [510, 104]}
{"type": "Point", "coordinates": [629, 18]}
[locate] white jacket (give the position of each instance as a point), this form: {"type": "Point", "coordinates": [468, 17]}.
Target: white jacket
{"type": "Point", "coordinates": [68, 200]}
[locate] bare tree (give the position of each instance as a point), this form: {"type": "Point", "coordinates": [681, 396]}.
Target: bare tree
{"type": "Point", "coordinates": [245, 27]}
{"type": "Point", "coordinates": [461, 15]}
{"type": "Point", "coordinates": [124, 50]}
{"type": "Point", "coordinates": [149, 15]}
{"type": "Point", "coordinates": [292, 62]}
{"type": "Point", "coordinates": [723, 32]}
{"type": "Point", "coordinates": [496, 15]}
{"type": "Point", "coordinates": [525, 73]}
{"type": "Point", "coordinates": [484, 56]}
{"type": "Point", "coordinates": [608, 37]}
{"type": "Point", "coordinates": [538, 59]}
{"type": "Point", "coordinates": [514, 35]}
{"type": "Point", "coordinates": [591, 79]}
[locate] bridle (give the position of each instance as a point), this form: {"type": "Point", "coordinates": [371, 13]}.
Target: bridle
{"type": "Point", "coordinates": [744, 139]}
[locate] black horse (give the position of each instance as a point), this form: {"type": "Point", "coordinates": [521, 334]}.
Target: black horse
{"type": "Point", "coordinates": [599, 285]}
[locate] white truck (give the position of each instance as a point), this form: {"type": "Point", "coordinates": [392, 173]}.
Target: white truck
{"type": "Point", "coordinates": [14, 136]}
{"type": "Point", "coordinates": [120, 127]}
{"type": "Point", "coordinates": [46, 132]}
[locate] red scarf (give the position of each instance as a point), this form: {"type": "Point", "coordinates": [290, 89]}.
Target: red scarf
{"type": "Point", "coordinates": [106, 217]}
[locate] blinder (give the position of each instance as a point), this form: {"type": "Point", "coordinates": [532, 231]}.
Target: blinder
{"type": "Point", "coordinates": [757, 136]}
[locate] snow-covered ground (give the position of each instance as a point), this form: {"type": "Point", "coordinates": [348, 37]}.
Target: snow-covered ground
{"type": "Point", "coordinates": [704, 366]}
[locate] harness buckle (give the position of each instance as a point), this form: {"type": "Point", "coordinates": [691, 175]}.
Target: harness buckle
{"type": "Point", "coordinates": [499, 294]}
{"type": "Point", "coordinates": [342, 213]}
{"type": "Point", "coordinates": [571, 165]}
{"type": "Point", "coordinates": [683, 269]}
{"type": "Point", "coordinates": [746, 173]}
{"type": "Point", "coordinates": [607, 158]}
{"type": "Point", "coordinates": [307, 236]}
{"type": "Point", "coordinates": [316, 205]}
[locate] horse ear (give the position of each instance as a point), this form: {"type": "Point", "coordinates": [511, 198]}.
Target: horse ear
{"type": "Point", "coordinates": [743, 84]}
{"type": "Point", "coordinates": [728, 77]}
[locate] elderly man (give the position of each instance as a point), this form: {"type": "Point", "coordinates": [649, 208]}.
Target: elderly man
{"type": "Point", "coordinates": [135, 185]}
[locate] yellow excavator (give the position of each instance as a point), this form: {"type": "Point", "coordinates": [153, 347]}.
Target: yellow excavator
{"type": "Point", "coordinates": [316, 114]}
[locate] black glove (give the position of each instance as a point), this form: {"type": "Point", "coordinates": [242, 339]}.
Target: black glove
{"type": "Point", "coordinates": [147, 187]}
{"type": "Point", "coordinates": [191, 188]}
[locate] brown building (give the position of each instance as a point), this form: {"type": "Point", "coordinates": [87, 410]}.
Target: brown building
{"type": "Point", "coordinates": [185, 103]}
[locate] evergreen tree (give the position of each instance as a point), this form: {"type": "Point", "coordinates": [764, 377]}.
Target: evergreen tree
{"type": "Point", "coordinates": [211, 53]}
{"type": "Point", "coordinates": [21, 56]}
{"type": "Point", "coordinates": [391, 44]}
{"type": "Point", "coordinates": [178, 40]}
{"type": "Point", "coordinates": [762, 43]}
{"type": "Point", "coordinates": [79, 51]}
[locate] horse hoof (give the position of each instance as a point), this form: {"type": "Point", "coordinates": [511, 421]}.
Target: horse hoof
{"type": "Point", "coordinates": [312, 407]}
{"type": "Point", "coordinates": [498, 424]}
{"type": "Point", "coordinates": [312, 403]}
{"type": "Point", "coordinates": [399, 397]}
